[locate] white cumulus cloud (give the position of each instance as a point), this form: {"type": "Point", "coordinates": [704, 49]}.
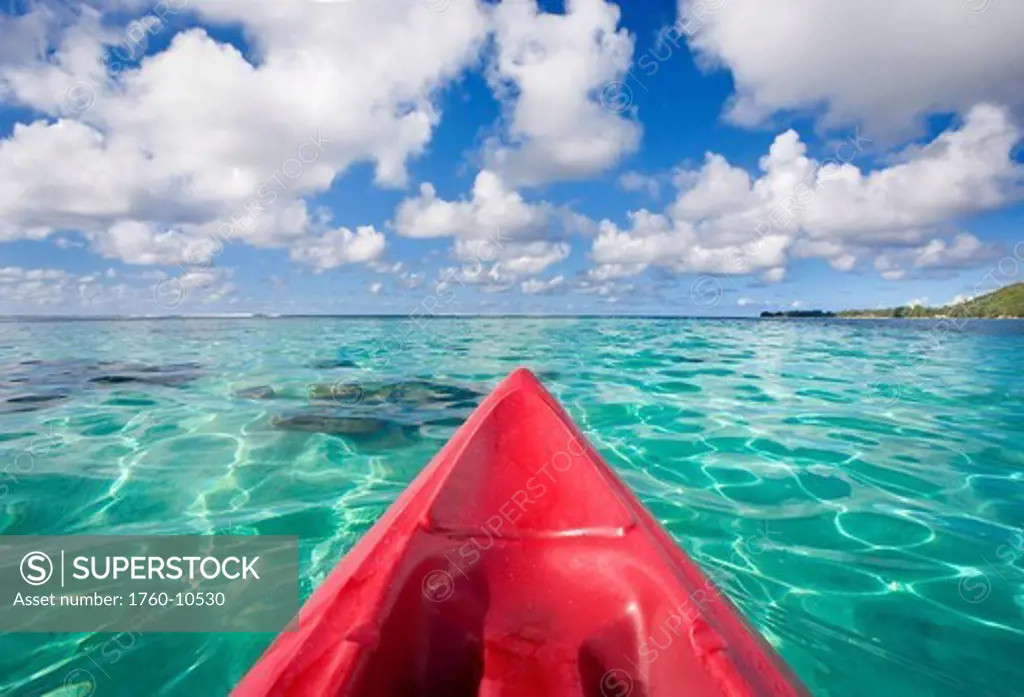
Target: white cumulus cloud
{"type": "Point", "coordinates": [726, 221]}
{"type": "Point", "coordinates": [495, 226]}
{"type": "Point", "coordinates": [549, 71]}
{"type": "Point", "coordinates": [537, 286]}
{"type": "Point", "coordinates": [161, 156]}
{"type": "Point", "coordinates": [884, 65]}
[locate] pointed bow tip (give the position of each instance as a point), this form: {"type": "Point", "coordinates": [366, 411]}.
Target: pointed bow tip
{"type": "Point", "coordinates": [522, 373]}
{"type": "Point", "coordinates": [521, 378]}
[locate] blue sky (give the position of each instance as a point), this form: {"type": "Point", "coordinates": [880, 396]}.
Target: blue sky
{"type": "Point", "coordinates": [578, 133]}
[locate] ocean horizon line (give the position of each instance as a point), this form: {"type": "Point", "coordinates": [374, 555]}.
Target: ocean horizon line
{"type": "Point", "coordinates": [449, 316]}
{"type": "Point", "coordinates": [259, 315]}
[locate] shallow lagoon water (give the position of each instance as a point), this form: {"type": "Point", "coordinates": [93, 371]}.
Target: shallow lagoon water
{"type": "Point", "coordinates": [856, 487]}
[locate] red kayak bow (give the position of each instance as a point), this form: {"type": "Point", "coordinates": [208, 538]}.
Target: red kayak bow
{"type": "Point", "coordinates": [518, 565]}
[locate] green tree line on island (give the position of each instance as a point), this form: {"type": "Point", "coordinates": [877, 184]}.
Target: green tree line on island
{"type": "Point", "coordinates": [1003, 303]}
{"type": "Point", "coordinates": [1007, 302]}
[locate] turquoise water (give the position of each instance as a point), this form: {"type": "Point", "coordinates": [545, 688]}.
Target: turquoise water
{"type": "Point", "coordinates": [882, 460]}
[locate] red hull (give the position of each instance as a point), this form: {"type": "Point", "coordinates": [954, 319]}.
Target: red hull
{"type": "Point", "coordinates": [518, 565]}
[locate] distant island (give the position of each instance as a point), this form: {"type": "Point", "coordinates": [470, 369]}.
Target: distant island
{"type": "Point", "coordinates": [799, 313]}
{"type": "Point", "coordinates": [1005, 303]}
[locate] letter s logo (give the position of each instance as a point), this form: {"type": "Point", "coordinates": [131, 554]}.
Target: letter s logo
{"type": "Point", "coordinates": [616, 683]}
{"type": "Point", "coordinates": [36, 568]}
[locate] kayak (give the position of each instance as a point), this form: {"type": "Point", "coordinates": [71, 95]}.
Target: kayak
{"type": "Point", "coordinates": [517, 564]}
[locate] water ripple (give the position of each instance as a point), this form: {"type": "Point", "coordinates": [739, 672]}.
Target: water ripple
{"type": "Point", "coordinates": [874, 537]}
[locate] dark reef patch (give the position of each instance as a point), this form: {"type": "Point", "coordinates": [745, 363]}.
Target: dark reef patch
{"type": "Point", "coordinates": [34, 384]}
{"type": "Point", "coordinates": [170, 375]}
{"type": "Point", "coordinates": [332, 363]}
{"type": "Point", "coordinates": [257, 392]}
{"type": "Point", "coordinates": [417, 394]}
{"type": "Point", "coordinates": [30, 402]}
{"type": "Point", "coordinates": [361, 430]}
